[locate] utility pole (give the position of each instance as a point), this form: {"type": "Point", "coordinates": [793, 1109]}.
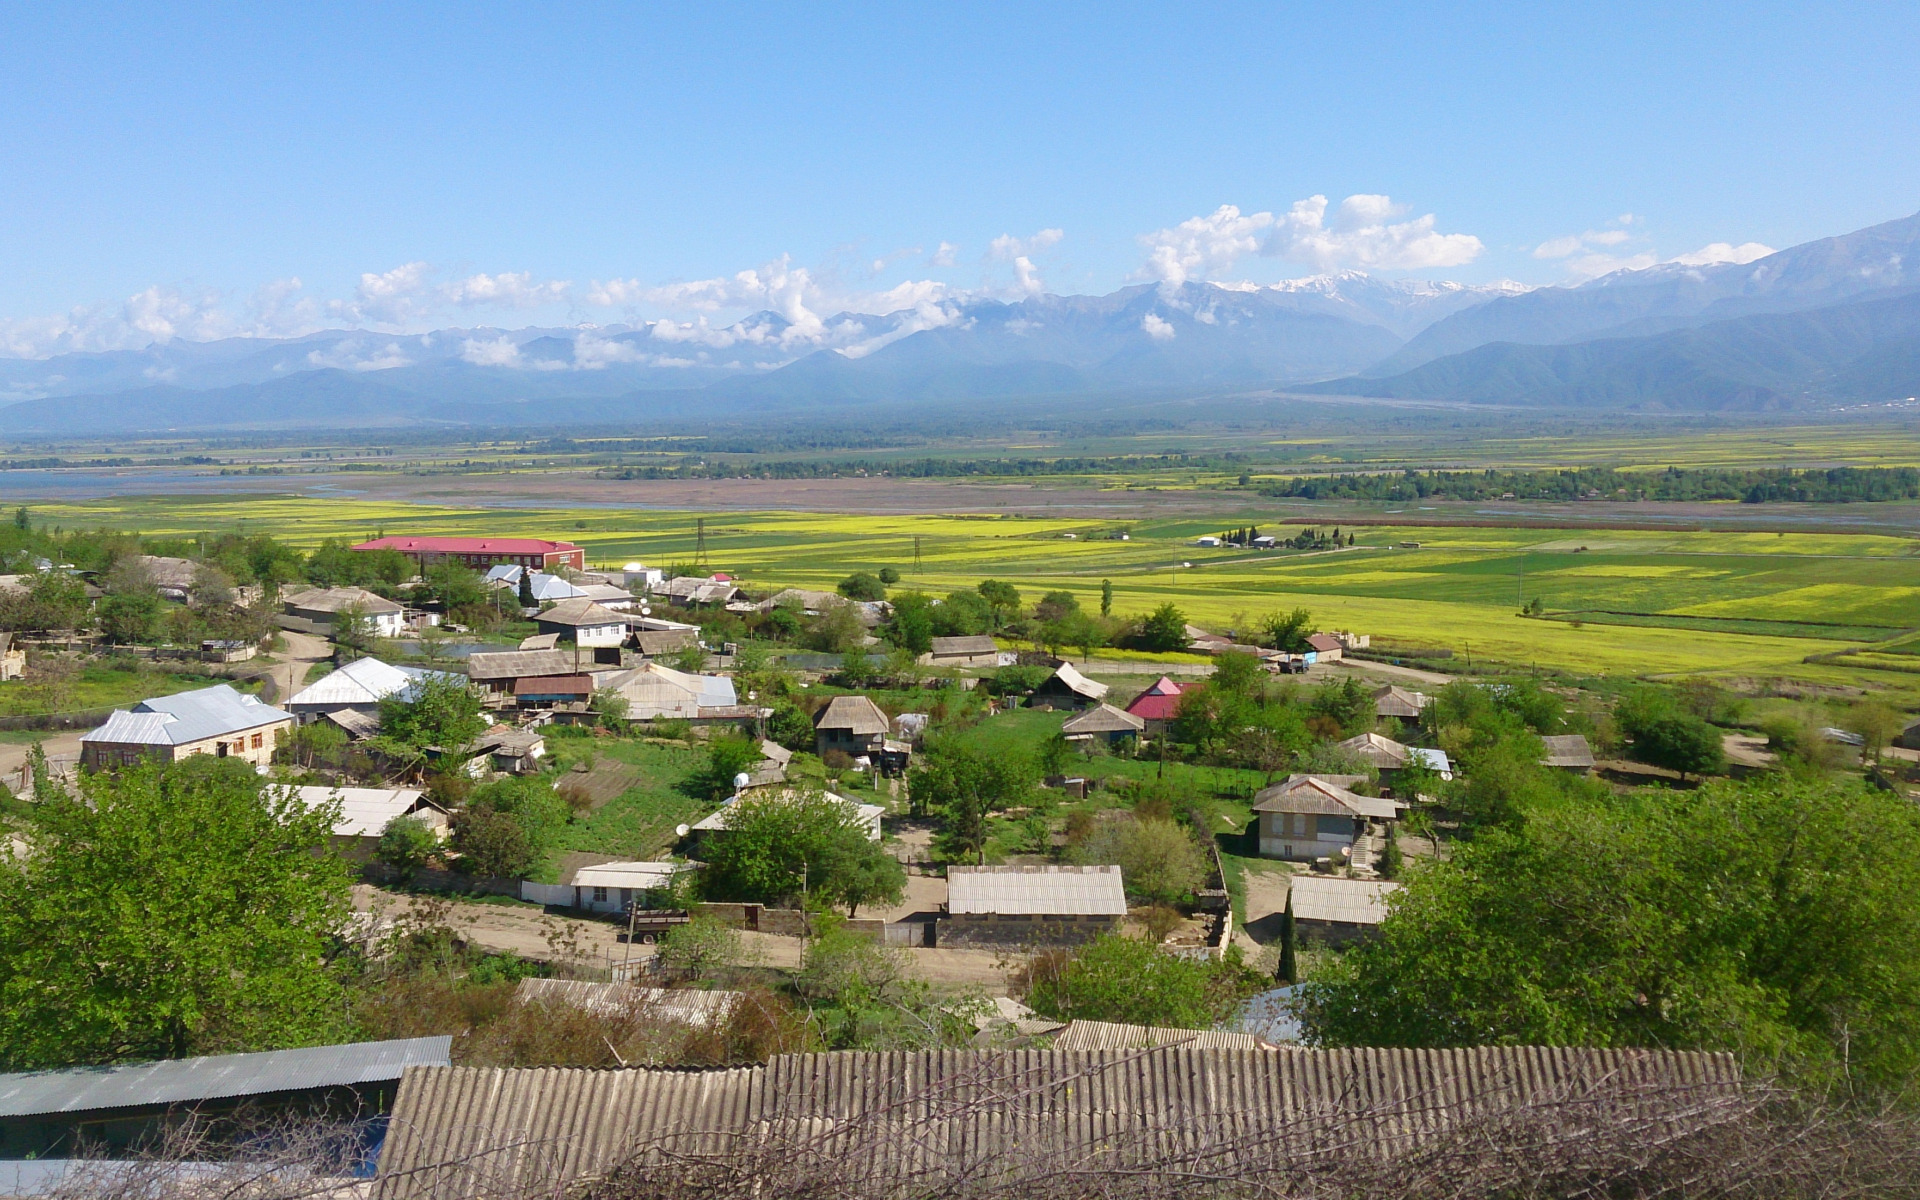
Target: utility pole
{"type": "Point", "coordinates": [916, 554]}
{"type": "Point", "coordinates": [700, 543]}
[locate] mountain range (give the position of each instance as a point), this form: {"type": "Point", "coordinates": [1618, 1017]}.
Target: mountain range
{"type": "Point", "coordinates": [1829, 321]}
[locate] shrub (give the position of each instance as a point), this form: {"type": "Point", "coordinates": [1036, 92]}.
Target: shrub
{"type": "Point", "coordinates": [406, 845]}
{"type": "Point", "coordinates": [1133, 982]}
{"type": "Point", "coordinates": [1159, 861]}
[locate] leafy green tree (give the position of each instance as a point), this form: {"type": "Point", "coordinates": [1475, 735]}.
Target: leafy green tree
{"type": "Point", "coordinates": [1106, 597]}
{"type": "Point", "coordinates": [1131, 981]}
{"type": "Point", "coordinates": [509, 825]}
{"type": "Point", "coordinates": [861, 873]}
{"type": "Point", "coordinates": [1347, 704]}
{"type": "Point", "coordinates": [1164, 629]}
{"type": "Point", "coordinates": [789, 726]}
{"type": "Point", "coordinates": [406, 845]}
{"type": "Point", "coordinates": [1003, 600]}
{"type": "Point", "coordinates": [316, 741]}
{"type": "Point", "coordinates": [1159, 861]}
{"type": "Point", "coordinates": [862, 585]}
{"type": "Point", "coordinates": [130, 615]}
{"type": "Point", "coordinates": [1663, 734]}
{"type": "Point", "coordinates": [525, 592]}
{"type": "Point", "coordinates": [961, 786]}
{"type": "Point", "coordinates": [1877, 723]}
{"type": "Point", "coordinates": [438, 711]}
{"type": "Point", "coordinates": [704, 948]}
{"type": "Point", "coordinates": [1774, 918]}
{"type": "Point", "coordinates": [1287, 631]}
{"type": "Point", "coordinates": [1055, 605]}
{"type": "Point", "coordinates": [691, 658]}
{"type": "Point", "coordinates": [166, 911]}
{"type": "Point", "coordinates": [453, 586]}
{"type": "Point", "coordinates": [856, 667]}
{"type": "Point", "coordinates": [836, 630]}
{"type": "Point", "coordinates": [911, 627]}
{"type": "Point", "coordinates": [778, 848]}
{"type": "Point", "coordinates": [962, 614]}
{"type": "Point", "coordinates": [727, 758]}
{"type": "Point", "coordinates": [889, 576]}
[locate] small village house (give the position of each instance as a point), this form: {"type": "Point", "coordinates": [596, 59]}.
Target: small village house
{"type": "Point", "coordinates": [853, 725]}
{"type": "Point", "coordinates": [1387, 756]}
{"type": "Point", "coordinates": [1326, 647]}
{"type": "Point", "coordinates": [481, 553]}
{"type": "Point", "coordinates": [497, 671]}
{"type": "Point", "coordinates": [548, 692]}
{"type": "Point", "coordinates": [1400, 703]}
{"type": "Point", "coordinates": [1318, 816]}
{"type": "Point", "coordinates": [586, 624]}
{"type": "Point", "coordinates": [171, 577]}
{"type": "Point", "coordinates": [359, 686]}
{"type": "Point", "coordinates": [657, 693]}
{"type": "Point", "coordinates": [512, 750]}
{"type": "Point", "coordinates": [216, 720]}
{"type": "Point", "coordinates": [319, 610]}
{"type": "Point", "coordinates": [1103, 723]}
{"type": "Point", "coordinates": [976, 651]}
{"type": "Point", "coordinates": [1159, 703]}
{"type": "Point", "coordinates": [1332, 912]}
{"type": "Point", "coordinates": [614, 887]}
{"type": "Point", "coordinates": [366, 812]}
{"type": "Point", "coordinates": [1011, 905]}
{"type": "Point", "coordinates": [694, 591]}
{"type": "Point", "coordinates": [1068, 688]}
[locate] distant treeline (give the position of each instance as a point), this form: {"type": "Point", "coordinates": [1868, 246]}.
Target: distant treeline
{"type": "Point", "coordinates": [1839, 485]}
{"type": "Point", "coordinates": [43, 464]}
{"type": "Point", "coordinates": [933, 468]}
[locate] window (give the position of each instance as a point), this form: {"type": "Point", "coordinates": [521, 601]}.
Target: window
{"type": "Point", "coordinates": [259, 740]}
{"type": "Point", "coordinates": [599, 895]}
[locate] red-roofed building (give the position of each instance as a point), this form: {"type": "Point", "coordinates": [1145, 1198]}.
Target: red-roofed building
{"type": "Point", "coordinates": [538, 553]}
{"type": "Point", "coordinates": [1158, 703]}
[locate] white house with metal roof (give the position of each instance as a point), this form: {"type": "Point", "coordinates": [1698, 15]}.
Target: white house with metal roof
{"type": "Point", "coordinates": [1002, 904]}
{"type": "Point", "coordinates": [215, 720]}
{"type": "Point", "coordinates": [360, 685]}
{"type": "Point", "coordinates": [366, 812]}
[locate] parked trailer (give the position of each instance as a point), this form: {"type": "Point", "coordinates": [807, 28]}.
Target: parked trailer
{"type": "Point", "coordinates": [647, 925]}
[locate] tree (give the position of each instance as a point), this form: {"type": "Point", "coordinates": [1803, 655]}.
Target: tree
{"type": "Point", "coordinates": [862, 585]}
{"type": "Point", "coordinates": [790, 726]}
{"type": "Point", "coordinates": [171, 910]}
{"type": "Point", "coordinates": [1347, 704]}
{"type": "Point", "coordinates": [1056, 605]}
{"type": "Point", "coordinates": [889, 576]}
{"type": "Point", "coordinates": [1164, 629]}
{"type": "Point", "coordinates": [1662, 734]}
{"type": "Point", "coordinates": [836, 630]}
{"type": "Point", "coordinates": [453, 586]}
{"type": "Point", "coordinates": [1130, 981]}
{"type": "Point", "coordinates": [701, 949]}
{"type": "Point", "coordinates": [778, 848]}
{"type": "Point", "coordinates": [1003, 600]}
{"type": "Point", "coordinates": [611, 707]}
{"type": "Point", "coordinates": [438, 712]}
{"type": "Point", "coordinates": [316, 741]}
{"type": "Point", "coordinates": [525, 595]}
{"type": "Point", "coordinates": [509, 825]}
{"type": "Point", "coordinates": [1106, 597]}
{"type": "Point", "coordinates": [727, 759]}
{"type": "Point", "coordinates": [1159, 861]}
{"type": "Point", "coordinates": [856, 667]}
{"type": "Point", "coordinates": [691, 658]}
{"type": "Point", "coordinates": [962, 614]}
{"type": "Point", "coordinates": [1877, 724]}
{"type": "Point", "coordinates": [1287, 631]}
{"type": "Point", "coordinates": [130, 611]}
{"type": "Point", "coordinates": [962, 785]}
{"type": "Point", "coordinates": [911, 627]}
{"type": "Point", "coordinates": [1774, 918]}
{"type": "Point", "coordinates": [406, 845]}
{"type": "Point", "coordinates": [861, 873]}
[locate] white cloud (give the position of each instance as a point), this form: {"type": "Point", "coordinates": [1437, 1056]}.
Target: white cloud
{"type": "Point", "coordinates": [354, 355]}
{"type": "Point", "coordinates": [1007, 248]}
{"type": "Point", "coordinates": [1724, 252]}
{"type": "Point", "coordinates": [156, 314]}
{"type": "Point", "coordinates": [1156, 328]}
{"type": "Point", "coordinates": [387, 298]}
{"type": "Point", "coordinates": [1592, 266]}
{"type": "Point", "coordinates": [1559, 247]}
{"type": "Point", "coordinates": [506, 290]}
{"type": "Point", "coordinates": [945, 255]}
{"type": "Point", "coordinates": [498, 352]}
{"type": "Point", "coordinates": [1361, 232]}
{"type": "Point", "coordinates": [594, 353]}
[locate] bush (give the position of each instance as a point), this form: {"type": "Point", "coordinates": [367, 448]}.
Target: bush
{"type": "Point", "coordinates": [1159, 861]}
{"type": "Point", "coordinates": [1165, 629]}
{"type": "Point", "coordinates": [406, 845]}
{"type": "Point", "coordinates": [863, 585]}
{"type": "Point", "coordinates": [703, 948]}
{"type": "Point", "coordinates": [1132, 982]}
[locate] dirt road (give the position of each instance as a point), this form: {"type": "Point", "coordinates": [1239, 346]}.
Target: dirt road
{"type": "Point", "coordinates": [302, 651]}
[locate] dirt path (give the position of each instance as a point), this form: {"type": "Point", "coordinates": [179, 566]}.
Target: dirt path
{"type": "Point", "coordinates": [302, 651]}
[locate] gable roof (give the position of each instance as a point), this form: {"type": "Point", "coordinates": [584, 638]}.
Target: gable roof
{"type": "Point", "coordinates": [1567, 750]}
{"type": "Point", "coordinates": [1381, 752]}
{"type": "Point", "coordinates": [640, 875]}
{"type": "Point", "coordinates": [1077, 683]}
{"type": "Point", "coordinates": [1036, 891]}
{"type": "Point", "coordinates": [514, 664]}
{"type": "Point", "coordinates": [655, 690]}
{"type": "Point", "coordinates": [1394, 701]}
{"type": "Point", "coordinates": [553, 685]}
{"type": "Point", "coordinates": [579, 614]}
{"type": "Point", "coordinates": [1348, 901]}
{"type": "Point", "coordinates": [866, 814]}
{"type": "Point", "coordinates": [856, 714]}
{"type": "Point", "coordinates": [1104, 719]}
{"type": "Point", "coordinates": [214, 1077]}
{"type": "Point", "coordinates": [1324, 642]}
{"type": "Point", "coordinates": [955, 647]}
{"type": "Point", "coordinates": [186, 717]}
{"type": "Point", "coordinates": [364, 812]}
{"type": "Point", "coordinates": [1160, 700]}
{"type": "Point", "coordinates": [665, 641]}
{"type": "Point", "coordinates": [1323, 795]}
{"type": "Point", "coordinates": [363, 681]}
{"type": "Point", "coordinates": [338, 600]}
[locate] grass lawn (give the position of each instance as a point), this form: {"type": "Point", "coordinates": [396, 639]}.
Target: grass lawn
{"type": "Point", "coordinates": [639, 823]}
{"type": "Point", "coordinates": [95, 687]}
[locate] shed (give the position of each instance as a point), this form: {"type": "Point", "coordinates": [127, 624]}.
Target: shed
{"type": "Point", "coordinates": [1069, 688]}
{"type": "Point", "coordinates": [50, 1114]}
{"type": "Point", "coordinates": [975, 651]}
{"type": "Point", "coordinates": [1568, 752]}
{"type": "Point", "coordinates": [653, 643]}
{"type": "Point", "coordinates": [1331, 911]}
{"type": "Point", "coordinates": [540, 641]}
{"type": "Point", "coordinates": [545, 691]}
{"type": "Point", "coordinates": [1328, 647]}
{"type": "Point", "coordinates": [511, 749]}
{"type": "Point", "coordinates": [1004, 904]}
{"type": "Point", "coordinates": [1103, 723]}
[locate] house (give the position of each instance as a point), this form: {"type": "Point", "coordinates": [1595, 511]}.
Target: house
{"type": "Point", "coordinates": [122, 1107]}
{"type": "Point", "coordinates": [1033, 1122]}
{"type": "Point", "coordinates": [1027, 905]}
{"type": "Point", "coordinates": [13, 659]}
{"type": "Point", "coordinates": [1331, 912]}
{"type": "Point", "coordinates": [1068, 688]}
{"type": "Point", "coordinates": [172, 577]}
{"type": "Point", "coordinates": [1325, 646]}
{"type": "Point", "coordinates": [514, 750]}
{"type": "Point", "coordinates": [869, 816]}
{"type": "Point", "coordinates": [1317, 816]}
{"type": "Point", "coordinates": [215, 720]}
{"type": "Point", "coordinates": [365, 813]}
{"type": "Point", "coordinates": [694, 591]}
{"type": "Point", "coordinates": [1399, 703]}
{"type": "Point", "coordinates": [1386, 755]}
{"type": "Point", "coordinates": [317, 610]}
{"type": "Point", "coordinates": [1103, 723]}
{"type": "Point", "coordinates": [481, 553]}
{"type": "Point", "coordinates": [852, 725]}
{"type": "Point", "coordinates": [584, 623]}
{"type": "Point", "coordinates": [1157, 705]}
{"type": "Point", "coordinates": [608, 595]}
{"type": "Point", "coordinates": [637, 577]}
{"type": "Point", "coordinates": [1567, 752]}
{"type": "Point", "coordinates": [1207, 542]}
{"type": "Point", "coordinates": [977, 651]}
{"type": "Point", "coordinates": [812, 604]}
{"type": "Point", "coordinates": [613, 887]}
{"type": "Point", "coordinates": [553, 691]}
{"type": "Point", "coordinates": [1265, 541]}
{"type": "Point", "coordinates": [496, 671]}
{"type": "Point", "coordinates": [658, 693]}
{"type": "Point", "coordinates": [359, 686]}
{"type": "Point", "coordinates": [656, 643]}
{"type": "Point", "coordinates": [547, 589]}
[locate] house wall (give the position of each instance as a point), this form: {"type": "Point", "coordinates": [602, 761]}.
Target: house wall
{"type": "Point", "coordinates": [13, 664]}
{"type": "Point", "coordinates": [101, 756]}
{"type": "Point", "coordinates": [848, 743]}
{"type": "Point", "coordinates": [1302, 837]}
{"type": "Point", "coordinates": [995, 930]}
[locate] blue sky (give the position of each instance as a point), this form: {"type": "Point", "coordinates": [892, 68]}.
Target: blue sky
{"type": "Point", "coordinates": [170, 170]}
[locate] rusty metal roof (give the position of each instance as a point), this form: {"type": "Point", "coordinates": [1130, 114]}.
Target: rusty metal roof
{"type": "Point", "coordinates": [470, 1131]}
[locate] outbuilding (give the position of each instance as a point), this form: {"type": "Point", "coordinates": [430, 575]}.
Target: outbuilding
{"type": "Point", "coordinates": [1004, 905]}
{"type": "Point", "coordinates": [1330, 911]}
{"type": "Point", "coordinates": [1103, 723]}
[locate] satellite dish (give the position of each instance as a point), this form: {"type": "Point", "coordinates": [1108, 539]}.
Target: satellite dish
{"type": "Point", "coordinates": [633, 567]}
{"type": "Point", "coordinates": [682, 830]}
{"type": "Point", "coordinates": [646, 611]}
{"type": "Point", "coordinates": [742, 779]}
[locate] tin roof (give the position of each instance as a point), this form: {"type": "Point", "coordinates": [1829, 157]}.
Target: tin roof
{"type": "Point", "coordinates": [855, 714]}
{"type": "Point", "coordinates": [186, 717]}
{"type": "Point", "coordinates": [948, 647]}
{"type": "Point", "coordinates": [1106, 1035]}
{"type": "Point", "coordinates": [1392, 701]}
{"type": "Point", "coordinates": [1347, 901]}
{"type": "Point", "coordinates": [1036, 891]}
{"type": "Point", "coordinates": [579, 614]}
{"type": "Point", "coordinates": [628, 874]}
{"type": "Point", "coordinates": [1160, 700]}
{"type": "Point", "coordinates": [1567, 750]}
{"type": "Point", "coordinates": [184, 1080]}
{"type": "Point", "coordinates": [1077, 683]}
{"type": "Point", "coordinates": [364, 812]}
{"type": "Point", "coordinates": [363, 681]}
{"type": "Point", "coordinates": [553, 685]}
{"type": "Point", "coordinates": [515, 664]}
{"type": "Point", "coordinates": [1104, 719]}
{"type": "Point", "coordinates": [1323, 795]}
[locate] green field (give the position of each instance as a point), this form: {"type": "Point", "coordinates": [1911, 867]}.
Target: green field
{"type": "Point", "coordinates": [1461, 588]}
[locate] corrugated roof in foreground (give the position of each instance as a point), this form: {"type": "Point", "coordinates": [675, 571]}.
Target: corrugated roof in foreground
{"type": "Point", "coordinates": [1105, 1035]}
{"type": "Point", "coordinates": [215, 1077]}
{"type": "Point", "coordinates": [467, 1131]}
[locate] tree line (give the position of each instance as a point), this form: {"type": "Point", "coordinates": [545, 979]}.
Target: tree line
{"type": "Point", "coordinates": [1838, 485]}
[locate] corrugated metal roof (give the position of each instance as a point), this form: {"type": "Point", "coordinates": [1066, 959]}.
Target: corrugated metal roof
{"type": "Point", "coordinates": [187, 717]}
{"type": "Point", "coordinates": [1349, 901]}
{"type": "Point", "coordinates": [857, 715]}
{"type": "Point", "coordinates": [459, 1132]}
{"type": "Point", "coordinates": [1323, 795]}
{"type": "Point", "coordinates": [512, 664]}
{"type": "Point", "coordinates": [1104, 719]}
{"type": "Point", "coordinates": [948, 647]}
{"type": "Point", "coordinates": [1567, 750]}
{"type": "Point", "coordinates": [1105, 1035]}
{"type": "Point", "coordinates": [690, 1006]}
{"type": "Point", "coordinates": [362, 681]}
{"type": "Point", "coordinates": [364, 812]}
{"type": "Point", "coordinates": [628, 874]}
{"type": "Point", "coordinates": [1079, 684]}
{"type": "Point", "coordinates": [580, 614]}
{"type": "Point", "coordinates": [337, 600]}
{"type": "Point", "coordinates": [1036, 891]}
{"type": "Point", "coordinates": [184, 1080]}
